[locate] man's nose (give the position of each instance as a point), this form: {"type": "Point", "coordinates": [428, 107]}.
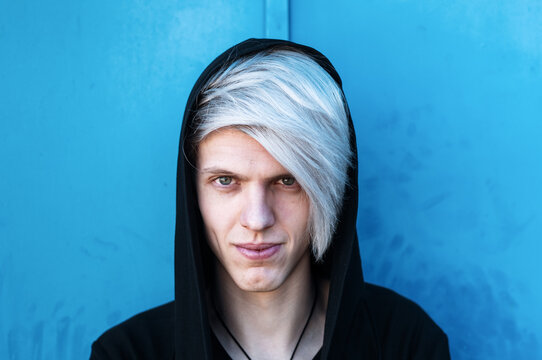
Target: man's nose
{"type": "Point", "coordinates": [257, 214]}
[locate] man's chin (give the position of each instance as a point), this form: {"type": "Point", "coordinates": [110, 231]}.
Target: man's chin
{"type": "Point", "coordinates": [259, 283]}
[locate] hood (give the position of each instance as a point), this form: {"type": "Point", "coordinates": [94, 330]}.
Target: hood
{"type": "Point", "coordinates": [193, 259]}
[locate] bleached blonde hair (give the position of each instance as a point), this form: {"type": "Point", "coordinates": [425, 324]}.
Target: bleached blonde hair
{"type": "Point", "coordinates": [297, 112]}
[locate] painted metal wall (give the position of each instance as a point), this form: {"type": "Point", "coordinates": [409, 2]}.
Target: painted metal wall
{"type": "Point", "coordinates": [447, 99]}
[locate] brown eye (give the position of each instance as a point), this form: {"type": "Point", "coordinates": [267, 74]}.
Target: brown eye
{"type": "Point", "coordinates": [288, 181]}
{"type": "Point", "coordinates": [224, 180]}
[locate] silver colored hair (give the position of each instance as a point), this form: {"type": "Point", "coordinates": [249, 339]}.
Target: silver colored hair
{"type": "Point", "coordinates": [296, 111]}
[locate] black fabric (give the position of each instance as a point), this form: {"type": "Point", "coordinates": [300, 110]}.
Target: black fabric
{"type": "Point", "coordinates": [362, 320]}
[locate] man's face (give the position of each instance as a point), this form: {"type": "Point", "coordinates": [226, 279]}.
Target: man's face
{"type": "Point", "coordinates": [255, 213]}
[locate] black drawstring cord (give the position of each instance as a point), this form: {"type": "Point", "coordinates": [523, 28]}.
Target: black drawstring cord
{"type": "Point", "coordinates": [298, 340]}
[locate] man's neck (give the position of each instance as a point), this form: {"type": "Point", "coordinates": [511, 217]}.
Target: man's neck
{"type": "Point", "coordinates": [266, 324]}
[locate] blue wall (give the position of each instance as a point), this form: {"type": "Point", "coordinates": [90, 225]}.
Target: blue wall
{"type": "Point", "coordinates": [447, 99]}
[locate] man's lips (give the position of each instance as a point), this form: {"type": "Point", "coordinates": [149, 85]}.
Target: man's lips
{"type": "Point", "coordinates": [258, 251]}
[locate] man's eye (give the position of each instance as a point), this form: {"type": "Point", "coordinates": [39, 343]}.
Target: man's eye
{"type": "Point", "coordinates": [224, 180]}
{"type": "Point", "coordinates": [288, 181]}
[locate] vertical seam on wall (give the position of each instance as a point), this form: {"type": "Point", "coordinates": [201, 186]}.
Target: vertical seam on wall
{"type": "Point", "coordinates": [289, 18]}
{"type": "Point", "coordinates": [276, 19]}
{"type": "Point", "coordinates": [264, 32]}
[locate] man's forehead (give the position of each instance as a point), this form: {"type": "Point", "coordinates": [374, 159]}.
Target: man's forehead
{"type": "Point", "coordinates": [232, 152]}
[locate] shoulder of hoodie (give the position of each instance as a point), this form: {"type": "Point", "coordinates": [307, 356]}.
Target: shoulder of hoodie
{"type": "Point", "coordinates": [147, 335]}
{"type": "Point", "coordinates": [402, 329]}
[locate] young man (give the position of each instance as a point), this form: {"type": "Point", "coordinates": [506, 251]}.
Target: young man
{"type": "Point", "coordinates": [267, 264]}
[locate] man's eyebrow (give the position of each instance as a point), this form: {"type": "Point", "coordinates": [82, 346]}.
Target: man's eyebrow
{"type": "Point", "coordinates": [282, 176]}
{"type": "Point", "coordinates": [213, 170]}
{"type": "Point", "coordinates": [216, 170]}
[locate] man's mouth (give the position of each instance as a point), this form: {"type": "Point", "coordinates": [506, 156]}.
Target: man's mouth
{"type": "Point", "coordinates": [258, 251]}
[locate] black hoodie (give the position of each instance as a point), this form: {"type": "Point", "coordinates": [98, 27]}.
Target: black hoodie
{"type": "Point", "coordinates": [363, 321]}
